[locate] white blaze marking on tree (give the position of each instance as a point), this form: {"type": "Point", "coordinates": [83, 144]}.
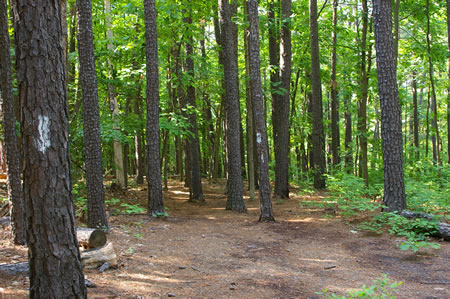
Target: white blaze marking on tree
{"type": "Point", "coordinates": [262, 158]}
{"type": "Point", "coordinates": [43, 143]}
{"type": "Point", "coordinates": [258, 138]}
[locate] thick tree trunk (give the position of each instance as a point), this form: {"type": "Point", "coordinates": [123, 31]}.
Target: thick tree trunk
{"type": "Point", "coordinates": [391, 126]}
{"type": "Point", "coordinates": [362, 103]}
{"type": "Point", "coordinates": [14, 183]}
{"type": "Point", "coordinates": [280, 109]}
{"type": "Point", "coordinates": [318, 138]}
{"type": "Point", "coordinates": [258, 112]}
{"type": "Point", "coordinates": [55, 268]}
{"type": "Point", "coordinates": [335, 136]}
{"type": "Point", "coordinates": [91, 118]}
{"type": "Point", "coordinates": [195, 190]}
{"type": "Point", "coordinates": [155, 197]}
{"type": "Point", "coordinates": [235, 199]}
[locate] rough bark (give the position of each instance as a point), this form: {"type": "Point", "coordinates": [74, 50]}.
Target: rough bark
{"type": "Point", "coordinates": [155, 197]}
{"type": "Point", "coordinates": [280, 109]}
{"type": "Point", "coordinates": [335, 136]}
{"type": "Point", "coordinates": [91, 118]}
{"type": "Point", "coordinates": [318, 138]}
{"type": "Point", "coordinates": [391, 126]}
{"type": "Point", "coordinates": [235, 199]}
{"type": "Point", "coordinates": [266, 212]}
{"type": "Point", "coordinates": [138, 143]}
{"type": "Point", "coordinates": [55, 268]}
{"type": "Point", "coordinates": [14, 183]}
{"type": "Point", "coordinates": [195, 188]}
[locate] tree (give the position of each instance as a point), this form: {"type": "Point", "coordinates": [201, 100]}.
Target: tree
{"type": "Point", "coordinates": [15, 194]}
{"type": "Point", "coordinates": [448, 85]}
{"type": "Point", "coordinates": [114, 105]}
{"type": "Point", "coordinates": [391, 126]}
{"type": "Point", "coordinates": [235, 199]}
{"type": "Point", "coordinates": [362, 103]}
{"type": "Point", "coordinates": [195, 187]}
{"type": "Point", "coordinates": [280, 106]}
{"type": "Point", "coordinates": [335, 137]}
{"type": "Point", "coordinates": [155, 197]}
{"type": "Point", "coordinates": [258, 112]}
{"type": "Point", "coordinates": [318, 138]}
{"type": "Point", "coordinates": [54, 258]}
{"type": "Point", "coordinates": [91, 118]}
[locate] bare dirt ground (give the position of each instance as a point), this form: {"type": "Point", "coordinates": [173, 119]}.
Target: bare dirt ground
{"type": "Point", "coordinates": [204, 251]}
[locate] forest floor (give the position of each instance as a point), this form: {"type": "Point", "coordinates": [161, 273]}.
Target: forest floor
{"type": "Point", "coordinates": [204, 251]}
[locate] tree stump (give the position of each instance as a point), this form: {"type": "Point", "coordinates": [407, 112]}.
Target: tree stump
{"type": "Point", "coordinates": [94, 258]}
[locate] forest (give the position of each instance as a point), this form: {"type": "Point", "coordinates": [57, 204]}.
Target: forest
{"type": "Point", "coordinates": [265, 149]}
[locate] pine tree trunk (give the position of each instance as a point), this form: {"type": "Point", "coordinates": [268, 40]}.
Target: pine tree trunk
{"type": "Point", "coordinates": [362, 103]}
{"type": "Point", "coordinates": [280, 109]}
{"type": "Point", "coordinates": [335, 137]}
{"type": "Point", "coordinates": [155, 197]}
{"type": "Point", "coordinates": [91, 118]}
{"type": "Point", "coordinates": [196, 191]}
{"type": "Point", "coordinates": [415, 117]}
{"type": "Point", "coordinates": [114, 105]}
{"type": "Point", "coordinates": [348, 161]}
{"type": "Point", "coordinates": [435, 140]}
{"type": "Point", "coordinates": [14, 183]}
{"type": "Point", "coordinates": [250, 118]}
{"type": "Point", "coordinates": [235, 199]}
{"type": "Point", "coordinates": [391, 126]}
{"type": "Point", "coordinates": [258, 112]}
{"type": "Point", "coordinates": [318, 138]}
{"type": "Point", "coordinates": [448, 87]}
{"type": "Point", "coordinates": [54, 258]}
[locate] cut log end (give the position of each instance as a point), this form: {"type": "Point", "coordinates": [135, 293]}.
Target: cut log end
{"type": "Point", "coordinates": [91, 237]}
{"type": "Point", "coordinates": [96, 257]}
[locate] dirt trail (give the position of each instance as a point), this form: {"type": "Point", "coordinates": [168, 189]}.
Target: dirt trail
{"type": "Point", "coordinates": [204, 251]}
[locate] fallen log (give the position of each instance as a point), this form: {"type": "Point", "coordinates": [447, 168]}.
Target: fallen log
{"type": "Point", "coordinates": [443, 230]}
{"type": "Point", "coordinates": [14, 269]}
{"type": "Point", "coordinates": [94, 258]}
{"type": "Point", "coordinates": [5, 221]}
{"type": "Point", "coordinates": [91, 237]}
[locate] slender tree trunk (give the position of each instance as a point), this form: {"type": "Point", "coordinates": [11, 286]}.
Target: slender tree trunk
{"type": "Point", "coordinates": [114, 105]}
{"type": "Point", "coordinates": [391, 127]}
{"type": "Point", "coordinates": [258, 112]}
{"type": "Point", "coordinates": [335, 137]}
{"type": "Point", "coordinates": [196, 191]}
{"type": "Point", "coordinates": [14, 183]}
{"type": "Point", "coordinates": [448, 85]}
{"type": "Point", "coordinates": [250, 118]}
{"type": "Point", "coordinates": [91, 118]}
{"type": "Point", "coordinates": [54, 258]}
{"type": "Point", "coordinates": [415, 118]}
{"type": "Point", "coordinates": [138, 142]}
{"type": "Point", "coordinates": [348, 137]}
{"type": "Point", "coordinates": [362, 103]}
{"type": "Point", "coordinates": [435, 132]}
{"type": "Point", "coordinates": [155, 197]}
{"type": "Point", "coordinates": [427, 133]}
{"type": "Point", "coordinates": [396, 29]}
{"type": "Point", "coordinates": [235, 200]}
{"type": "Point", "coordinates": [318, 138]}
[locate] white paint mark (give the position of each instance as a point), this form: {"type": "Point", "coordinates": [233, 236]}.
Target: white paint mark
{"type": "Point", "coordinates": [262, 158]}
{"type": "Point", "coordinates": [258, 138]}
{"type": "Point", "coordinates": [43, 143]}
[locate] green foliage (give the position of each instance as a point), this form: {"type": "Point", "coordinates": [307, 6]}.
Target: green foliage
{"type": "Point", "coordinates": [381, 288]}
{"type": "Point", "coordinates": [348, 195]}
{"type": "Point", "coordinates": [416, 231]}
{"type": "Point", "coordinates": [79, 198]}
